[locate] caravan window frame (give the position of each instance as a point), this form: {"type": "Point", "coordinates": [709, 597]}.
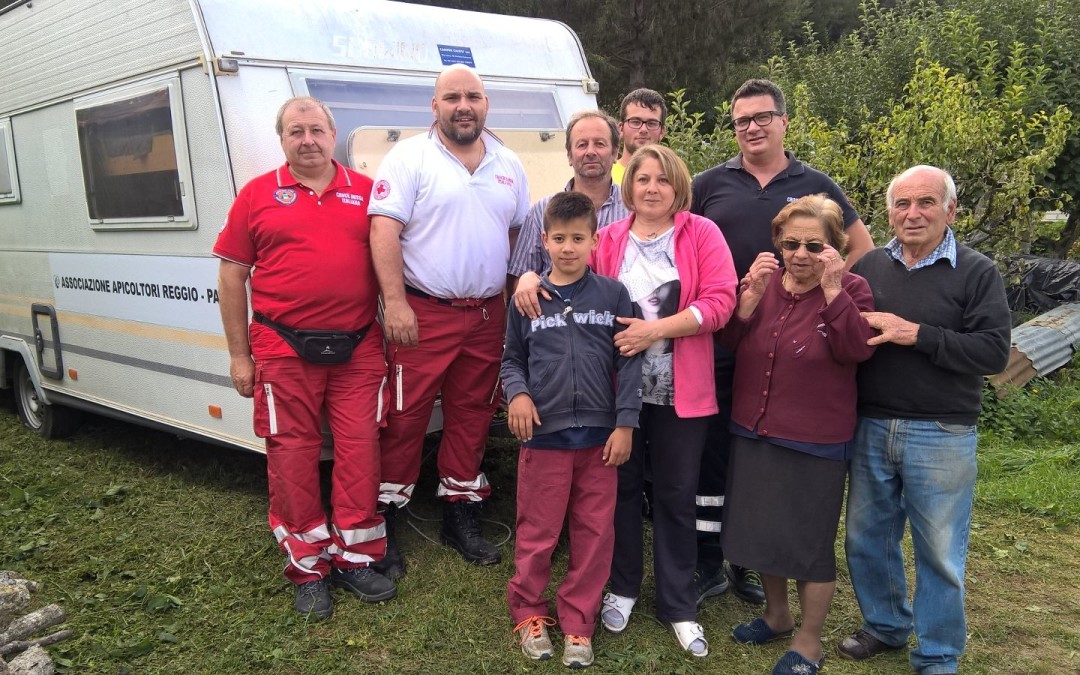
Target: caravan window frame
{"type": "Point", "coordinates": [546, 91]}
{"type": "Point", "coordinates": [171, 85]}
{"type": "Point", "coordinates": [7, 162]}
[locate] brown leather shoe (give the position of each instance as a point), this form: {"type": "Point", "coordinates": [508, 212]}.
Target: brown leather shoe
{"type": "Point", "coordinates": [862, 645]}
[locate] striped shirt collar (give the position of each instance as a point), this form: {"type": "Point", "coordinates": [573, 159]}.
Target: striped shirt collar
{"type": "Point", "coordinates": [614, 197]}
{"type": "Point", "coordinates": [945, 250]}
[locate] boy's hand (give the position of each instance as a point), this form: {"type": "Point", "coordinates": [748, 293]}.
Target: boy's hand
{"type": "Point", "coordinates": [617, 448]}
{"type": "Point", "coordinates": [520, 417]}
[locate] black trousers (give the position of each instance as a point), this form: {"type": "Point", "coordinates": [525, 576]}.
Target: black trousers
{"type": "Point", "coordinates": [714, 468]}
{"type": "Point", "coordinates": [674, 445]}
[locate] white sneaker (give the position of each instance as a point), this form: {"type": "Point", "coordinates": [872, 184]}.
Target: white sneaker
{"type": "Point", "coordinates": [691, 637]}
{"type": "Point", "coordinates": [615, 612]}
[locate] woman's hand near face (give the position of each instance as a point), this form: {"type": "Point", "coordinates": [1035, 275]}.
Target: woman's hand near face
{"type": "Point", "coordinates": [753, 285]}
{"type": "Point", "coordinates": [830, 266]}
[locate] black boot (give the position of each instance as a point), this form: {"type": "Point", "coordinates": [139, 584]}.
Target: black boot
{"type": "Point", "coordinates": [461, 532]}
{"type": "Point", "coordinates": [313, 599]}
{"type": "Point", "coordinates": [392, 566]}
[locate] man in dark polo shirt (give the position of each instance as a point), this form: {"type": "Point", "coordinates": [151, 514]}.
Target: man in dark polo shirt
{"type": "Point", "coordinates": [742, 196]}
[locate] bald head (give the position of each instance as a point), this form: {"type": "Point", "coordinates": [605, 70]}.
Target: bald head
{"type": "Point", "coordinates": [460, 105]}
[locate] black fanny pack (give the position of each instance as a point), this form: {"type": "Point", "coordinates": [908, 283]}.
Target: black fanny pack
{"type": "Point", "coordinates": [327, 347]}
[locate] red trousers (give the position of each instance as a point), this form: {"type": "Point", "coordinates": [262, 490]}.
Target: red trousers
{"type": "Point", "coordinates": [290, 397]}
{"type": "Point", "coordinates": [459, 352]}
{"type": "Point", "coordinates": [551, 485]}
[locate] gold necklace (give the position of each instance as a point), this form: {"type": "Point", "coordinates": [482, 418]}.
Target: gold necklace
{"type": "Point", "coordinates": [655, 233]}
{"type": "Point", "coordinates": [792, 286]}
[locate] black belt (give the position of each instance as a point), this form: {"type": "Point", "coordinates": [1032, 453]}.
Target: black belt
{"type": "Point", "coordinates": [452, 302]}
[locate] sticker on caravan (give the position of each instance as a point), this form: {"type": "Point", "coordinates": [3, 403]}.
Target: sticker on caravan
{"type": "Point", "coordinates": [164, 290]}
{"type": "Point", "coordinates": [451, 55]}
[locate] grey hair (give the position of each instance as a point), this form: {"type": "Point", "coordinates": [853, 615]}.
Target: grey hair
{"type": "Point", "coordinates": [304, 103]}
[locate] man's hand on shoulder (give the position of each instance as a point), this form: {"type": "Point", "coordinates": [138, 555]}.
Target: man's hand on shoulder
{"type": "Point", "coordinates": [526, 295]}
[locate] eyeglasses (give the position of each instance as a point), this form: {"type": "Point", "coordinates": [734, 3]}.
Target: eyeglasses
{"type": "Point", "coordinates": [811, 246]}
{"type": "Point", "coordinates": [637, 123]}
{"type": "Point", "coordinates": [762, 119]}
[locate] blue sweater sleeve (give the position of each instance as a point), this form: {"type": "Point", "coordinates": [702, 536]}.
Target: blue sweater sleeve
{"type": "Point", "coordinates": [514, 370]}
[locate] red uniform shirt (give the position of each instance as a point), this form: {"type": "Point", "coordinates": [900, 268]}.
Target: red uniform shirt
{"type": "Point", "coordinates": [311, 254]}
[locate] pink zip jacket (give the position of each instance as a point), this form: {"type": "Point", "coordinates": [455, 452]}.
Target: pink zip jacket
{"type": "Point", "coordinates": [707, 277]}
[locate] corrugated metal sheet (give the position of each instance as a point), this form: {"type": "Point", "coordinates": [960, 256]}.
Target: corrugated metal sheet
{"type": "Point", "coordinates": [1042, 345]}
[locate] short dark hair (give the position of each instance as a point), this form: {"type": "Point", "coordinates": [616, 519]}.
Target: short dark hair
{"type": "Point", "coordinates": [646, 98]}
{"type": "Point", "coordinates": [597, 114]}
{"type": "Point", "coordinates": [567, 206]}
{"type": "Point", "coordinates": [761, 88]}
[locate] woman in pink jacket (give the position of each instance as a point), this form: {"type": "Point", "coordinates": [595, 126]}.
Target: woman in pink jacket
{"type": "Point", "coordinates": [662, 253]}
{"type": "Point", "coordinates": [678, 269]}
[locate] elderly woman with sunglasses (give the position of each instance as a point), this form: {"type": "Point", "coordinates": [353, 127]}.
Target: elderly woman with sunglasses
{"type": "Point", "coordinates": [798, 337]}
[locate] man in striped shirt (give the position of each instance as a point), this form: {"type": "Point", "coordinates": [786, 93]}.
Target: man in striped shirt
{"type": "Point", "coordinates": [592, 139]}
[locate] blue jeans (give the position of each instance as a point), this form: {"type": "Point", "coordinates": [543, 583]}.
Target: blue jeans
{"type": "Point", "coordinates": [922, 471]}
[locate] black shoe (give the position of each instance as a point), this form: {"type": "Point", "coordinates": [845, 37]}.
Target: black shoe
{"type": "Point", "coordinates": [392, 566]}
{"type": "Point", "coordinates": [313, 600]}
{"type": "Point", "coordinates": [746, 584]}
{"type": "Point", "coordinates": [365, 583]}
{"type": "Point", "coordinates": [461, 532]}
{"type": "Point", "coordinates": [709, 583]}
{"type": "Point", "coordinates": [862, 645]}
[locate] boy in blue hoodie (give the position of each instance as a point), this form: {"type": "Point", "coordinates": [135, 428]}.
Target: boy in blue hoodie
{"type": "Point", "coordinates": [574, 402]}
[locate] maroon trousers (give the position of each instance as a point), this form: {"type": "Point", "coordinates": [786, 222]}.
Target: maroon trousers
{"type": "Point", "coordinates": [554, 484]}
{"type": "Point", "coordinates": [459, 353]}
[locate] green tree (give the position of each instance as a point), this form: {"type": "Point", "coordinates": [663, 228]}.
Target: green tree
{"type": "Point", "coordinates": [1026, 50]}
{"type": "Point", "coordinates": [996, 151]}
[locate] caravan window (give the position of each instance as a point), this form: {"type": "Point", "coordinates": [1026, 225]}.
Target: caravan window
{"type": "Point", "coordinates": [9, 175]}
{"type": "Point", "coordinates": [358, 104]}
{"type": "Point", "coordinates": [134, 164]}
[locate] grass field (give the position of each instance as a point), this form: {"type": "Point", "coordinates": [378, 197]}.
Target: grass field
{"type": "Point", "coordinates": [159, 551]}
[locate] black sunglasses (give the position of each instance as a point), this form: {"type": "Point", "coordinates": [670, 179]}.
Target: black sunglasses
{"type": "Point", "coordinates": [811, 246]}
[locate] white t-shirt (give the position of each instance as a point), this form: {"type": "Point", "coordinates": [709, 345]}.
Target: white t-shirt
{"type": "Point", "coordinates": [648, 271]}
{"type": "Point", "coordinates": [455, 243]}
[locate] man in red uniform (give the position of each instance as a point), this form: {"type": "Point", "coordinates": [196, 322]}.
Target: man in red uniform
{"type": "Point", "coordinates": [300, 235]}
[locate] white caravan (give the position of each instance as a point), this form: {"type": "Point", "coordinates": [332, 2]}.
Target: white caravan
{"type": "Point", "coordinates": [126, 129]}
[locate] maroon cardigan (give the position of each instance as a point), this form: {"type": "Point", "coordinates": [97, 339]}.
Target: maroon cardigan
{"type": "Point", "coordinates": [795, 362]}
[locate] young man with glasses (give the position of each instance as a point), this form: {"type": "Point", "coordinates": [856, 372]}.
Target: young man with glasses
{"type": "Point", "coordinates": [641, 122]}
{"type": "Point", "coordinates": [742, 196]}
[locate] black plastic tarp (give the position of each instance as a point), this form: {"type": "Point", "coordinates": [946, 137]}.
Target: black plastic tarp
{"type": "Point", "coordinates": [1038, 285]}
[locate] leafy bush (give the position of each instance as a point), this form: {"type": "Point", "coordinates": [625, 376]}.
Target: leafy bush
{"type": "Point", "coordinates": [1047, 409]}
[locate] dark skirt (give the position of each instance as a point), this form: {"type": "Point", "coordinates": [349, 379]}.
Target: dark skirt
{"type": "Point", "coordinates": [781, 510]}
